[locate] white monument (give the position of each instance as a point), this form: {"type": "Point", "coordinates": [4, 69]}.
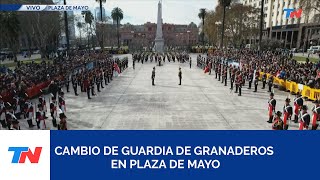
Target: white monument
{"type": "Point", "coordinates": [159, 41]}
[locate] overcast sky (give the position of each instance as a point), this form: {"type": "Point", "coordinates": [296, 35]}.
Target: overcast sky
{"type": "Point", "coordinates": [141, 11]}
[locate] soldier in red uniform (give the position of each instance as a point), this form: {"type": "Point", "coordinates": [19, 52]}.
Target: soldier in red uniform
{"type": "Point", "coordinates": [86, 85]}
{"type": "Point", "coordinates": [304, 118]}
{"type": "Point", "coordinates": [225, 73]}
{"type": "Point", "coordinates": [219, 72]}
{"type": "Point", "coordinates": [239, 83]}
{"type": "Point", "coordinates": [63, 122]}
{"type": "Point", "coordinates": [271, 107]}
{"type": "Point", "coordinates": [43, 103]}
{"type": "Point", "coordinates": [256, 81]}
{"type": "Point", "coordinates": [40, 118]}
{"type": "Point", "coordinates": [29, 112]}
{"type": "Point", "coordinates": [232, 78]}
{"type": "Point", "coordinates": [287, 111]}
{"type": "Point", "coordinates": [12, 121]}
{"type": "Point", "coordinates": [53, 111]}
{"type": "Point", "coordinates": [278, 123]}
{"type": "Point", "coordinates": [216, 68]}
{"type": "Point", "coordinates": [298, 103]}
{"type": "Point", "coordinates": [315, 115]}
{"type": "Point", "coordinates": [62, 103]}
{"type": "Point", "coordinates": [17, 106]}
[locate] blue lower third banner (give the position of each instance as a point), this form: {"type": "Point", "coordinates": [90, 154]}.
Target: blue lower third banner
{"type": "Point", "coordinates": [145, 155]}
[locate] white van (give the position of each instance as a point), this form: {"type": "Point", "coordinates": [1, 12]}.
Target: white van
{"type": "Point", "coordinates": [314, 49]}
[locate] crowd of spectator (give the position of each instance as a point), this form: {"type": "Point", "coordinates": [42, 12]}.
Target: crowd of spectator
{"type": "Point", "coordinates": [281, 65]}
{"type": "Point", "coordinates": [27, 75]}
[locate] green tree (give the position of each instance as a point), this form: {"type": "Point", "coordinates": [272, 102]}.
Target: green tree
{"type": "Point", "coordinates": [309, 6]}
{"type": "Point", "coordinates": [10, 29]}
{"type": "Point", "coordinates": [80, 26]}
{"type": "Point", "coordinates": [100, 4]}
{"type": "Point", "coordinates": [101, 16]}
{"type": "Point", "coordinates": [88, 18]}
{"type": "Point", "coordinates": [202, 15]}
{"type": "Point", "coordinates": [117, 15]}
{"type": "Point", "coordinates": [224, 4]}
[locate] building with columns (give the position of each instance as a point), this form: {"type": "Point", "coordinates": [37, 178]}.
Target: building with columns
{"type": "Point", "coordinates": [293, 32]}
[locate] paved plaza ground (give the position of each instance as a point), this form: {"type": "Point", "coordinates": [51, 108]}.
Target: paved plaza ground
{"type": "Point", "coordinates": [201, 103]}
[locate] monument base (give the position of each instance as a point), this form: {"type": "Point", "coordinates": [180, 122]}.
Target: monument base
{"type": "Point", "coordinates": [159, 45]}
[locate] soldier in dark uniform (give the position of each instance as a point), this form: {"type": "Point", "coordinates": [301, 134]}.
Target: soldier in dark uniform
{"type": "Point", "coordinates": [97, 81]}
{"type": "Point", "coordinates": [237, 81]}
{"type": "Point", "coordinates": [29, 112]}
{"type": "Point", "coordinates": [86, 84]}
{"type": "Point", "coordinates": [271, 107]}
{"type": "Point", "coordinates": [2, 113]}
{"type": "Point", "coordinates": [105, 74]}
{"type": "Point", "coordinates": [67, 81]}
{"type": "Point", "coordinates": [53, 88]}
{"type": "Point", "coordinates": [12, 121]}
{"type": "Point", "coordinates": [264, 80]}
{"type": "Point", "coordinates": [75, 84]}
{"type": "Point", "coordinates": [304, 118]}
{"type": "Point", "coordinates": [219, 72]}
{"type": "Point", "coordinates": [190, 62]}
{"type": "Point", "coordinates": [225, 72]}
{"type": "Point", "coordinates": [298, 103]}
{"type": "Point", "coordinates": [240, 80]}
{"type": "Point", "coordinates": [180, 75]}
{"type": "Point", "coordinates": [63, 122]}
{"type": "Point", "coordinates": [17, 106]}
{"type": "Point", "coordinates": [153, 75]}
{"type": "Point", "coordinates": [278, 122]}
{"type": "Point", "coordinates": [250, 79]}
{"type": "Point", "coordinates": [111, 71]}
{"type": "Point", "coordinates": [232, 80]}
{"type": "Point", "coordinates": [101, 79]}
{"type": "Point", "coordinates": [270, 83]}
{"type": "Point", "coordinates": [216, 70]}
{"type": "Point", "coordinates": [53, 111]}
{"type": "Point", "coordinates": [256, 81]}
{"type": "Point", "coordinates": [133, 64]}
{"type": "Point", "coordinates": [92, 81]}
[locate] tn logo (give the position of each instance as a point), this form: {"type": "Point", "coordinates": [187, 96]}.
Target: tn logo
{"type": "Point", "coordinates": [21, 153]}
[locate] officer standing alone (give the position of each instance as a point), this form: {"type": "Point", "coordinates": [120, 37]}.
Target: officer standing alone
{"type": "Point", "coordinates": [153, 75]}
{"type": "Point", "coordinates": [180, 76]}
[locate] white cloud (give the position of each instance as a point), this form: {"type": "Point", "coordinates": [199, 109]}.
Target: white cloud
{"type": "Point", "coordinates": [141, 11]}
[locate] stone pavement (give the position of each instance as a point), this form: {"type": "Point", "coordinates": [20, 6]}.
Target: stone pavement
{"type": "Point", "coordinates": [131, 102]}
{"type": "Point", "coordinates": [201, 103]}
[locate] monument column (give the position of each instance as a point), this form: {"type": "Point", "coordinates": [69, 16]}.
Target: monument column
{"type": "Point", "coordinates": [159, 41]}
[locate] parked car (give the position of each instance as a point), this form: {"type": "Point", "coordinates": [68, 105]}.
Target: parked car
{"type": "Point", "coordinates": [314, 49]}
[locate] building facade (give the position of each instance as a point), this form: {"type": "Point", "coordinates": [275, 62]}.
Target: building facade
{"type": "Point", "coordinates": [139, 36]}
{"type": "Point", "coordinates": [97, 14]}
{"type": "Point", "coordinates": [293, 30]}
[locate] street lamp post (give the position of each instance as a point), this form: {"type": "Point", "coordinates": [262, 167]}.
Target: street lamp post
{"type": "Point", "coordinates": [222, 30]}
{"type": "Point", "coordinates": [261, 24]}
{"type": "Point", "coordinates": [66, 26]}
